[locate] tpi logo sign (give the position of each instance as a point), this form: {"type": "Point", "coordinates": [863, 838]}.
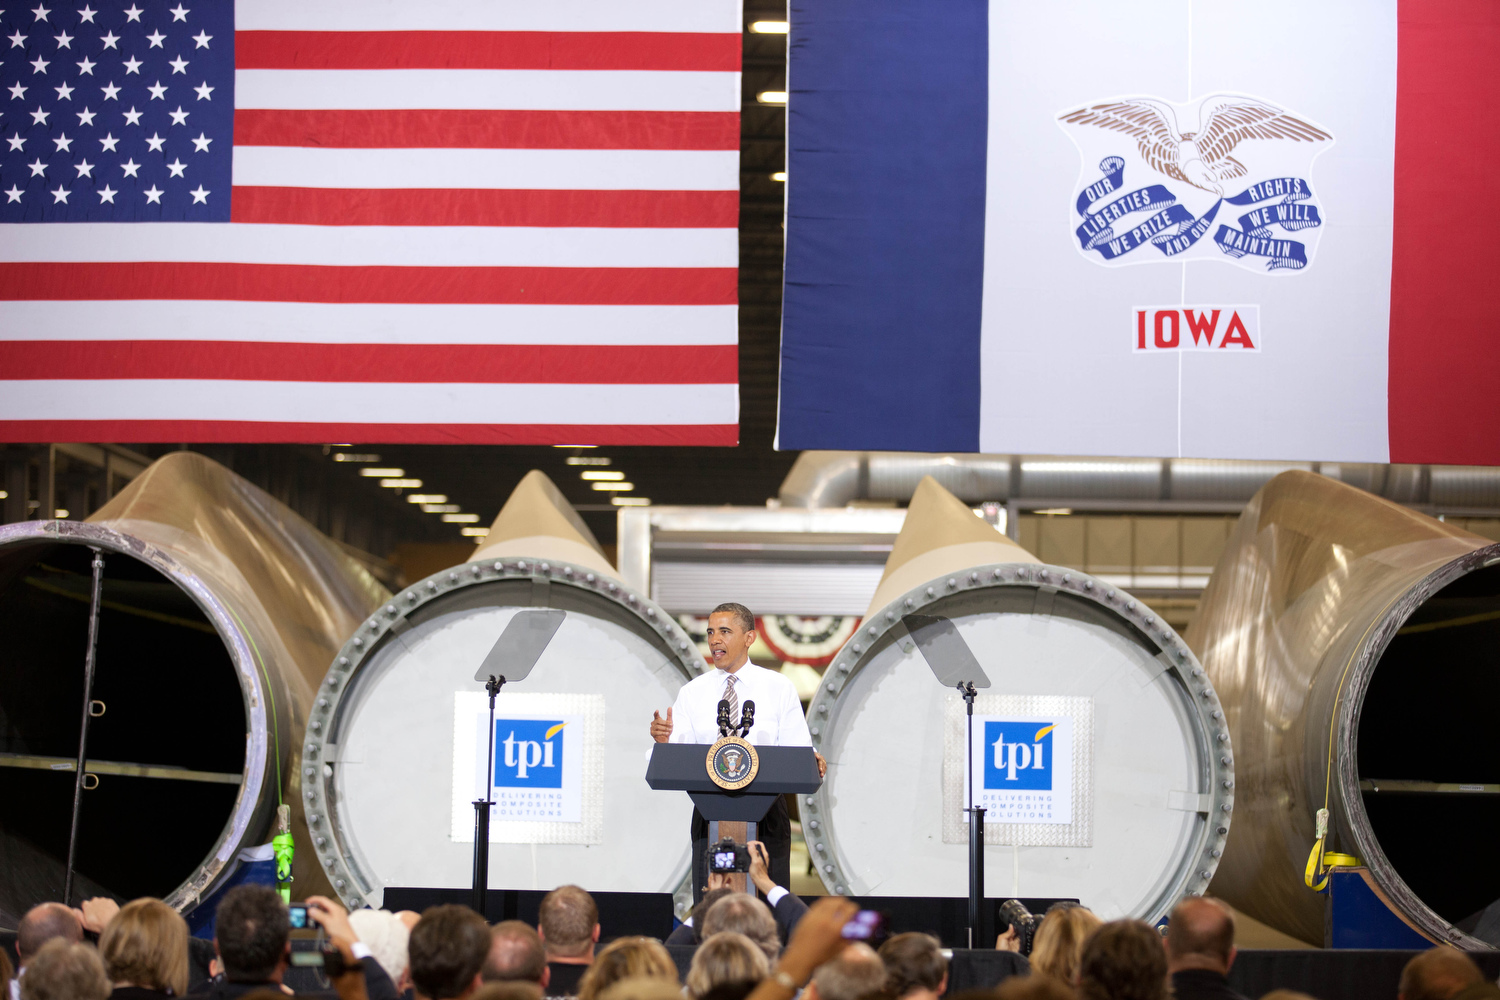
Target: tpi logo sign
{"type": "Point", "coordinates": [528, 753]}
{"type": "Point", "coordinates": [1018, 755]}
{"type": "Point", "coordinates": [1197, 328]}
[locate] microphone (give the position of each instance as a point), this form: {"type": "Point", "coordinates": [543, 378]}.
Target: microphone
{"type": "Point", "coordinates": [747, 717]}
{"type": "Point", "coordinates": [723, 717]}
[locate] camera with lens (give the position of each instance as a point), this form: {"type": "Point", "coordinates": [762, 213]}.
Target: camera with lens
{"type": "Point", "coordinates": [727, 856]}
{"type": "Point", "coordinates": [1015, 913]}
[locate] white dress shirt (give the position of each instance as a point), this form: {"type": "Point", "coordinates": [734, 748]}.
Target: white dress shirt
{"type": "Point", "coordinates": [779, 721]}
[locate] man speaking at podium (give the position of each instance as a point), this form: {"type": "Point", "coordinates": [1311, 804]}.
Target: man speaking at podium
{"type": "Point", "coordinates": [693, 718]}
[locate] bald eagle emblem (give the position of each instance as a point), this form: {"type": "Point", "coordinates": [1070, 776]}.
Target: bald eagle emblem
{"type": "Point", "coordinates": [732, 763]}
{"type": "Point", "coordinates": [1157, 177]}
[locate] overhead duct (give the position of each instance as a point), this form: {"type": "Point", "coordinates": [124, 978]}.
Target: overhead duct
{"type": "Point", "coordinates": [393, 744]}
{"type": "Point", "coordinates": [1352, 642]}
{"type": "Point", "coordinates": [220, 608]}
{"type": "Point", "coordinates": [835, 478]}
{"type": "Point", "coordinates": [1147, 786]}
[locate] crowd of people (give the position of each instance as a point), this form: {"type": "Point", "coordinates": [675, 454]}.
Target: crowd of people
{"type": "Point", "coordinates": [743, 948]}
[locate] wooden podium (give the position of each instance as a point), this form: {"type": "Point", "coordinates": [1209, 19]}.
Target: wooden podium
{"type": "Point", "coordinates": [684, 767]}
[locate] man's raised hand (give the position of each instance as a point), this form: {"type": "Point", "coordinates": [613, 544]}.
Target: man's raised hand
{"type": "Point", "coordinates": [661, 729]}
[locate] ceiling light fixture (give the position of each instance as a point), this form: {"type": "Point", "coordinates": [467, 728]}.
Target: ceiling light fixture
{"type": "Point", "coordinates": [630, 501]}
{"type": "Point", "coordinates": [575, 446]}
{"type": "Point", "coordinates": [771, 97]}
{"type": "Point", "coordinates": [382, 473]}
{"type": "Point", "coordinates": [621, 487]}
{"type": "Point", "coordinates": [601, 477]}
{"type": "Point", "coordinates": [401, 484]}
{"type": "Point", "coordinates": [441, 508]}
{"type": "Point", "coordinates": [779, 176]}
{"type": "Point", "coordinates": [474, 532]}
{"type": "Point", "coordinates": [769, 27]}
{"type": "Point", "coordinates": [350, 456]}
{"type": "Point", "coordinates": [460, 518]}
{"type": "Point", "coordinates": [426, 498]}
{"type": "Point", "coordinates": [588, 460]}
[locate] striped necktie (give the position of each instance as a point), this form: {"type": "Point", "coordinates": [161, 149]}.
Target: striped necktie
{"type": "Point", "coordinates": [733, 699]}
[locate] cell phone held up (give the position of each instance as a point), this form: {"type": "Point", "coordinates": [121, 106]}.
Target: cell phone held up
{"type": "Point", "coordinates": [866, 925]}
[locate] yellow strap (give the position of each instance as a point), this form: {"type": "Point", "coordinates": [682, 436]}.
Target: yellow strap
{"type": "Point", "coordinates": [1320, 863]}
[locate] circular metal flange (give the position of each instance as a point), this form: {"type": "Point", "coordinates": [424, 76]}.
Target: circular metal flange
{"type": "Point", "coordinates": [249, 811]}
{"type": "Point", "coordinates": [341, 864]}
{"type": "Point", "coordinates": [1210, 730]}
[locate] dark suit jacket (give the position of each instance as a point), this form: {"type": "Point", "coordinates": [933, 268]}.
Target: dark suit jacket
{"type": "Point", "coordinates": [1202, 984]}
{"type": "Point", "coordinates": [789, 909]}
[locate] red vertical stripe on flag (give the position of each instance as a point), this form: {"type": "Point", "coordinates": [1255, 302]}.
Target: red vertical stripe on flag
{"type": "Point", "coordinates": [1445, 338]}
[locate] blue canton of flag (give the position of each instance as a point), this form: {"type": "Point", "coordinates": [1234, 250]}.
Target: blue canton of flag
{"type": "Point", "coordinates": [120, 114]}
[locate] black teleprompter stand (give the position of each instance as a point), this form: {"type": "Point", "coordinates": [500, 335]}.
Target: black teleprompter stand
{"type": "Point", "coordinates": [976, 831]}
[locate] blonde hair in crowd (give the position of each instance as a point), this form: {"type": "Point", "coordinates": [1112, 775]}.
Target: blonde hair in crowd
{"type": "Point", "coordinates": [146, 945]}
{"type": "Point", "coordinates": [1059, 942]}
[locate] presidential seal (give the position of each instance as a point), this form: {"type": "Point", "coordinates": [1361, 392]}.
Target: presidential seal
{"type": "Point", "coordinates": [732, 763]}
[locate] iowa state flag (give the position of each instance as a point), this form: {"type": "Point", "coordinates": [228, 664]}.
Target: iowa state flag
{"type": "Point", "coordinates": [1240, 229]}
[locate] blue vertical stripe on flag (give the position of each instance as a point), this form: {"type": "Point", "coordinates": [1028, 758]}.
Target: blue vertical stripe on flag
{"type": "Point", "coordinates": [120, 114]}
{"type": "Point", "coordinates": [886, 134]}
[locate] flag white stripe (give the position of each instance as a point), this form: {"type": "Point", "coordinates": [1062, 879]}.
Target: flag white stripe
{"type": "Point", "coordinates": [488, 15]}
{"type": "Point", "coordinates": [364, 323]}
{"type": "Point", "coordinates": [358, 402]}
{"type": "Point", "coordinates": [369, 246]}
{"type": "Point", "coordinates": [523, 169]}
{"type": "Point", "coordinates": [485, 89]}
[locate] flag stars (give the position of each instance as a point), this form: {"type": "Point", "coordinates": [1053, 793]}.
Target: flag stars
{"type": "Point", "coordinates": [179, 117]}
{"type": "Point", "coordinates": [14, 194]}
{"type": "Point", "coordinates": [176, 167]}
{"type": "Point", "coordinates": [87, 14]}
{"type": "Point", "coordinates": [200, 144]}
{"type": "Point", "coordinates": [133, 13]}
{"type": "Point", "coordinates": [179, 13]}
{"type": "Point", "coordinates": [107, 193]}
{"type": "Point", "coordinates": [86, 117]}
{"type": "Point", "coordinates": [39, 65]}
{"type": "Point", "coordinates": [18, 40]}
{"type": "Point", "coordinates": [158, 92]}
{"type": "Point", "coordinates": [64, 93]}
{"type": "Point", "coordinates": [38, 168]}
{"type": "Point", "coordinates": [39, 117]}
{"type": "Point", "coordinates": [16, 142]}
{"type": "Point", "coordinates": [132, 65]}
{"type": "Point", "coordinates": [204, 90]}
{"type": "Point", "coordinates": [131, 168]}
{"type": "Point", "coordinates": [60, 195]}
{"type": "Point", "coordinates": [153, 195]}
{"type": "Point", "coordinates": [64, 40]}
{"type": "Point", "coordinates": [202, 38]}
{"type": "Point", "coordinates": [109, 38]}
{"type": "Point", "coordinates": [200, 196]}
{"type": "Point", "coordinates": [86, 68]}
{"type": "Point", "coordinates": [84, 168]}
{"type": "Point", "coordinates": [110, 91]}
{"type": "Point", "coordinates": [132, 117]}
{"type": "Point", "coordinates": [156, 142]}
{"type": "Point", "coordinates": [64, 144]}
{"type": "Point", "coordinates": [179, 65]}
{"type": "Point", "coordinates": [156, 38]}
{"type": "Point", "coordinates": [17, 92]}
{"type": "Point", "coordinates": [109, 142]}
{"type": "Point", "coordinates": [40, 12]}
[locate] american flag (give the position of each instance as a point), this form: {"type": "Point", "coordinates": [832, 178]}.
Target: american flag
{"type": "Point", "coordinates": [476, 221]}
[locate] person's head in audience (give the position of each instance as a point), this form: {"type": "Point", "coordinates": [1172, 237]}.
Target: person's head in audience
{"type": "Point", "coordinates": [743, 914]}
{"type": "Point", "coordinates": [856, 974]}
{"type": "Point", "coordinates": [64, 970]}
{"type": "Point", "coordinates": [568, 922]}
{"type": "Point", "coordinates": [701, 908]}
{"type": "Point", "coordinates": [43, 923]}
{"type": "Point", "coordinates": [1200, 935]}
{"type": "Point", "coordinates": [1059, 941]}
{"type": "Point", "coordinates": [1123, 960]}
{"type": "Point", "coordinates": [726, 959]}
{"type": "Point", "coordinates": [1032, 988]}
{"type": "Point", "coordinates": [1437, 974]}
{"type": "Point", "coordinates": [447, 949]}
{"type": "Point", "coordinates": [511, 989]}
{"type": "Point", "coordinates": [914, 967]}
{"type": "Point", "coordinates": [253, 934]}
{"type": "Point", "coordinates": [386, 935]}
{"type": "Point", "coordinates": [516, 955]}
{"type": "Point", "coordinates": [626, 958]}
{"type": "Point", "coordinates": [145, 945]}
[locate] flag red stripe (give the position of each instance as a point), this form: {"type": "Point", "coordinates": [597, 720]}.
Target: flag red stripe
{"type": "Point", "coordinates": [688, 364]}
{"type": "Point", "coordinates": [726, 435]}
{"type": "Point", "coordinates": [460, 207]}
{"type": "Point", "coordinates": [488, 129]}
{"type": "Point", "coordinates": [1443, 405]}
{"type": "Point", "coordinates": [301, 283]}
{"type": "Point", "coordinates": [618, 50]}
